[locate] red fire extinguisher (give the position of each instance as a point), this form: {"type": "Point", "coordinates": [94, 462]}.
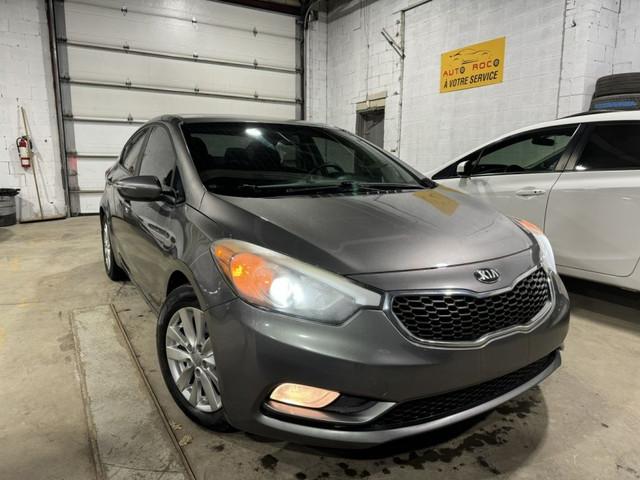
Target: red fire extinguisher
{"type": "Point", "coordinates": [23, 150]}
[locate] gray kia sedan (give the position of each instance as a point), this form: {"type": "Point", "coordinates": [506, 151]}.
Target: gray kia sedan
{"type": "Point", "coordinates": [311, 287]}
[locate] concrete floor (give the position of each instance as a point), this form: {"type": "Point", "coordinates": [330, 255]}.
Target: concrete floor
{"type": "Point", "coordinates": [75, 406]}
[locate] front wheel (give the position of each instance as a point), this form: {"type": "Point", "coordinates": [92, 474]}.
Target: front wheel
{"type": "Point", "coordinates": [114, 272]}
{"type": "Point", "coordinates": [187, 359]}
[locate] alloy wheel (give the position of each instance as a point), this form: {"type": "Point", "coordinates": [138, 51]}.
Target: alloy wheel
{"type": "Point", "coordinates": [106, 245]}
{"type": "Point", "coordinates": [191, 359]}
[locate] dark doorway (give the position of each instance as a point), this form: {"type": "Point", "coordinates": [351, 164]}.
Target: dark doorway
{"type": "Point", "coordinates": [370, 126]}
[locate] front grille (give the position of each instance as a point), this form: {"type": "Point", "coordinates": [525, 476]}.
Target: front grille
{"type": "Point", "coordinates": [459, 317]}
{"type": "Point", "coordinates": [431, 408]}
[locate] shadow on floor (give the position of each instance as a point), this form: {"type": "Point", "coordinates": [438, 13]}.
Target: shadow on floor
{"type": "Point", "coordinates": [617, 304]}
{"type": "Point", "coordinates": [5, 233]}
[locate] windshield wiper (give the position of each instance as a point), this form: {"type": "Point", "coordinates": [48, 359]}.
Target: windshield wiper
{"type": "Point", "coordinates": [428, 183]}
{"type": "Point", "coordinates": [390, 186]}
{"type": "Point", "coordinates": [235, 189]}
{"type": "Point", "coordinates": [248, 189]}
{"type": "Point", "coordinates": [354, 187]}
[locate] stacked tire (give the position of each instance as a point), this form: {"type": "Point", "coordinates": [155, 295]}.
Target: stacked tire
{"type": "Point", "coordinates": [8, 206]}
{"type": "Point", "coordinates": [620, 91]}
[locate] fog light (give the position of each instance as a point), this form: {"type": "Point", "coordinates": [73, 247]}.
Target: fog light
{"type": "Point", "coordinates": [303, 395]}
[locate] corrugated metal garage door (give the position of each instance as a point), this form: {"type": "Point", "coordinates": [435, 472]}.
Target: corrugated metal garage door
{"type": "Point", "coordinates": [123, 63]}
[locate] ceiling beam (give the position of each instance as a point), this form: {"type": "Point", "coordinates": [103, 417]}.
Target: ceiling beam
{"type": "Point", "coordinates": [270, 6]}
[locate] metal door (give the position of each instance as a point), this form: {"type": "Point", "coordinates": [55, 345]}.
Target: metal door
{"type": "Point", "coordinates": [371, 127]}
{"type": "Point", "coordinates": [123, 63]}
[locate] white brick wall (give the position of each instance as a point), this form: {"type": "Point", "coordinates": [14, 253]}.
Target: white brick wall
{"type": "Point", "coordinates": [316, 69]}
{"type": "Point", "coordinates": [555, 51]}
{"type": "Point", "coordinates": [627, 53]}
{"type": "Point", "coordinates": [362, 63]}
{"type": "Point", "coordinates": [437, 126]}
{"type": "Point", "coordinates": [591, 30]}
{"type": "Point", "coordinates": [26, 81]}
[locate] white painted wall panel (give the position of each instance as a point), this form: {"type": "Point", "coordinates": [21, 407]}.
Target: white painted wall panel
{"type": "Point", "coordinates": [89, 202]}
{"type": "Point", "coordinates": [93, 169]}
{"type": "Point", "coordinates": [105, 138]}
{"type": "Point", "coordinates": [109, 26]}
{"type": "Point", "coordinates": [210, 12]}
{"type": "Point", "coordinates": [91, 65]}
{"type": "Point", "coordinates": [118, 104]}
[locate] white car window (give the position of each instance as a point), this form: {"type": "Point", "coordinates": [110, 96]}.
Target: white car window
{"type": "Point", "coordinates": [532, 152]}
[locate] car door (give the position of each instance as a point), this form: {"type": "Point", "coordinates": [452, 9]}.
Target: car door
{"type": "Point", "coordinates": [151, 241]}
{"type": "Point", "coordinates": [593, 218]}
{"type": "Point", "coordinates": [127, 166]}
{"type": "Point", "coordinates": [516, 174]}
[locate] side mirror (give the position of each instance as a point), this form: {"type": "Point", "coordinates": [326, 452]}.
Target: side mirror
{"type": "Point", "coordinates": [141, 188]}
{"type": "Point", "coordinates": [463, 169]}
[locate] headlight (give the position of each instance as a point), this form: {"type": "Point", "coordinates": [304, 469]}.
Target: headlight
{"type": "Point", "coordinates": [271, 280]}
{"type": "Point", "coordinates": [545, 247]}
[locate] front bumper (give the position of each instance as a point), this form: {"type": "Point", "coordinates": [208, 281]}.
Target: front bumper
{"type": "Point", "coordinates": [366, 357]}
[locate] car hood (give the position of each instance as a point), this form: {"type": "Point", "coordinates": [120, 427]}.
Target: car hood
{"type": "Point", "coordinates": [355, 234]}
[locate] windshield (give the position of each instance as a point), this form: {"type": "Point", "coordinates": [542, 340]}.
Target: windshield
{"type": "Point", "coordinates": [256, 159]}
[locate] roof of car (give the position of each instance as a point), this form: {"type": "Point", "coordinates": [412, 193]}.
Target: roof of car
{"type": "Point", "coordinates": [585, 117]}
{"type": "Point", "coordinates": [593, 116]}
{"type": "Point", "coordinates": [195, 118]}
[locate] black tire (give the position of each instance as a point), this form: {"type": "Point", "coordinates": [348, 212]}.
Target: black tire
{"type": "Point", "coordinates": [616, 102]}
{"type": "Point", "coordinates": [183, 299]}
{"type": "Point", "coordinates": [617, 84]}
{"type": "Point", "coordinates": [111, 267]}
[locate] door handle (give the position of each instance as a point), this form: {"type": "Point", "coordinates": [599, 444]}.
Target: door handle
{"type": "Point", "coordinates": [530, 192]}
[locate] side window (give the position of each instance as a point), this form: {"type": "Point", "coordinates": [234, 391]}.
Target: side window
{"type": "Point", "coordinates": [612, 147]}
{"type": "Point", "coordinates": [159, 158]}
{"type": "Point", "coordinates": [532, 152]}
{"type": "Point", "coordinates": [132, 151]}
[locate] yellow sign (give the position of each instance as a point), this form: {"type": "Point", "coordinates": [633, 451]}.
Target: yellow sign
{"type": "Point", "coordinates": [473, 66]}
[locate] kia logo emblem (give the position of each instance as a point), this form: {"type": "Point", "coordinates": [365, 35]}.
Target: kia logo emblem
{"type": "Point", "coordinates": [486, 275]}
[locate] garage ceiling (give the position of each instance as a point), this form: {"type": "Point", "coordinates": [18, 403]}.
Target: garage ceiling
{"type": "Point", "coordinates": [123, 63]}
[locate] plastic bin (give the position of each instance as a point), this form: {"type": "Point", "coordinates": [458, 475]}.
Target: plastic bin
{"type": "Point", "coordinates": [8, 206]}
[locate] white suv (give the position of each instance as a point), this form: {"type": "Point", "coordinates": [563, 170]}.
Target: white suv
{"type": "Point", "coordinates": [577, 178]}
